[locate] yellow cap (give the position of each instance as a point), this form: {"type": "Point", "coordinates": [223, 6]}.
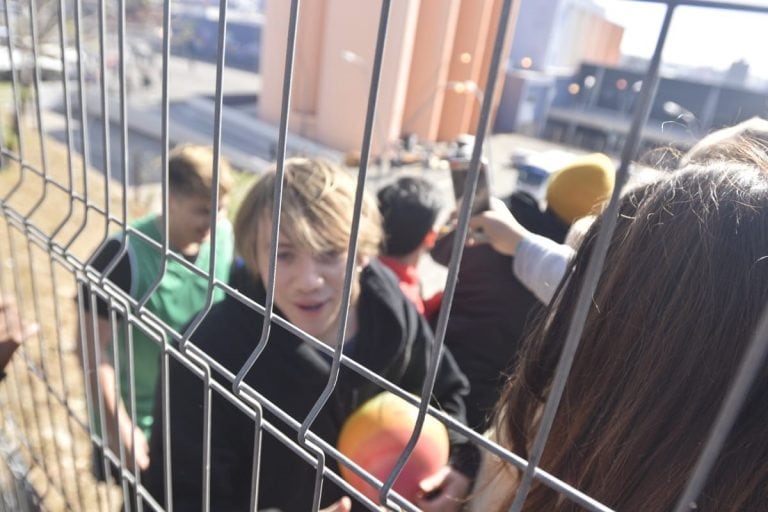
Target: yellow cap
{"type": "Point", "coordinates": [575, 190]}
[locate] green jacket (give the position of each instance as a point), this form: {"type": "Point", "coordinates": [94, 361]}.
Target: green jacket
{"type": "Point", "coordinates": [180, 295]}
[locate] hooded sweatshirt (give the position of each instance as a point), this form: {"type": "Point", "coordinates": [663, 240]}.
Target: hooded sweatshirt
{"type": "Point", "coordinates": [393, 340]}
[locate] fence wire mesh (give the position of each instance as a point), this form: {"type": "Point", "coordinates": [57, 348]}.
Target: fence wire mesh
{"type": "Point", "coordinates": [56, 210]}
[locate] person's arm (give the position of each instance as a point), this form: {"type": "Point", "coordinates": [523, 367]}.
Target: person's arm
{"type": "Point", "coordinates": [102, 376]}
{"type": "Point", "coordinates": [540, 264]}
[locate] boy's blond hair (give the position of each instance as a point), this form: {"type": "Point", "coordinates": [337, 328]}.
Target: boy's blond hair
{"type": "Point", "coordinates": [317, 208]}
{"type": "Point", "coordinates": [190, 171]}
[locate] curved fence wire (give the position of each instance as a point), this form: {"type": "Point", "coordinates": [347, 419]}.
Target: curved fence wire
{"type": "Point", "coordinates": [56, 211]}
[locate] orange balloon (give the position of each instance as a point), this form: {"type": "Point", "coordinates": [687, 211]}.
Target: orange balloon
{"type": "Point", "coordinates": [375, 435]}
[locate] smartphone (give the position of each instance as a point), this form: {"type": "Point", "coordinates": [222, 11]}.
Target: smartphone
{"type": "Point", "coordinates": [459, 173]}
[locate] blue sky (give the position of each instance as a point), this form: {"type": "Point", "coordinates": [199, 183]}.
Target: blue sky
{"type": "Point", "coordinates": [698, 36]}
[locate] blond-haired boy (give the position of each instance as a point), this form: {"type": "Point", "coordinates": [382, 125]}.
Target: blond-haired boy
{"type": "Point", "coordinates": [384, 333]}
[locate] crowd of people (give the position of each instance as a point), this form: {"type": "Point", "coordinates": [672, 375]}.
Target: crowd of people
{"type": "Point", "coordinates": [684, 283]}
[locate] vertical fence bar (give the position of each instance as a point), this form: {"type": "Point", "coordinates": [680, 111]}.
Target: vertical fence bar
{"type": "Point", "coordinates": [17, 102]}
{"type": "Point", "coordinates": [318, 487]}
{"type": "Point", "coordinates": [41, 348]}
{"type": "Point", "coordinates": [105, 122]}
{"type": "Point", "coordinates": [131, 371]}
{"type": "Point", "coordinates": [90, 409]}
{"type": "Point", "coordinates": [277, 200]}
{"type": "Point", "coordinates": [257, 431]}
{"type": "Point", "coordinates": [165, 410]}
{"type": "Point", "coordinates": [461, 235]}
{"type": "Point", "coordinates": [38, 112]}
{"type": "Point", "coordinates": [165, 120]}
{"type": "Point", "coordinates": [16, 374]}
{"type": "Point", "coordinates": [594, 267]}
{"type": "Point", "coordinates": [217, 120]}
{"type": "Point", "coordinates": [206, 495]}
{"type": "Point", "coordinates": [349, 273]}
{"type": "Point", "coordinates": [66, 386]}
{"type": "Point", "coordinates": [28, 360]}
{"type": "Point", "coordinates": [67, 119]}
{"type": "Point", "coordinates": [104, 431]}
{"type": "Point", "coordinates": [24, 441]}
{"type": "Point", "coordinates": [124, 160]}
{"type": "Point", "coordinates": [752, 362]}
{"type": "Point", "coordinates": [84, 147]}
{"type": "Point", "coordinates": [123, 147]}
{"type": "Point", "coordinates": [117, 388]}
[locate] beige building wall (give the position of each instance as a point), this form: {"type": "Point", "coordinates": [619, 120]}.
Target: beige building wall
{"type": "Point", "coordinates": [351, 27]}
{"type": "Point", "coordinates": [587, 36]}
{"type": "Point", "coordinates": [272, 58]}
{"type": "Point", "coordinates": [431, 46]}
{"type": "Point", "coordinates": [612, 55]}
{"type": "Point", "coordinates": [430, 66]}
{"type": "Point", "coordinates": [466, 65]}
{"type": "Point", "coordinates": [488, 56]}
{"type": "Point", "coordinates": [307, 63]}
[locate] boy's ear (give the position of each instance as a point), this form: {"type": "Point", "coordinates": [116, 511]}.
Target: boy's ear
{"type": "Point", "coordinates": [429, 239]}
{"type": "Point", "coordinates": [362, 262]}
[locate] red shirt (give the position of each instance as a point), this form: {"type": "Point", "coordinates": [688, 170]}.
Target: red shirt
{"type": "Point", "coordinates": [410, 284]}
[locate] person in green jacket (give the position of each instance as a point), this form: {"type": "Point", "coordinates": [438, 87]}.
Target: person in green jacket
{"type": "Point", "coordinates": [180, 294]}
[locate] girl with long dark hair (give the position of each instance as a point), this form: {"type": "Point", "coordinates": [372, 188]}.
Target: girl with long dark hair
{"type": "Point", "coordinates": [682, 289]}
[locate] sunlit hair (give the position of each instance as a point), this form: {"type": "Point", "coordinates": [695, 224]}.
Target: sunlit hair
{"type": "Point", "coordinates": [317, 208]}
{"type": "Point", "coordinates": [744, 142]}
{"type": "Point", "coordinates": [684, 282]}
{"type": "Point", "coordinates": [190, 171]}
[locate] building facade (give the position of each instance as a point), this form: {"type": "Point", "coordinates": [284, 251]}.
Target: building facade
{"type": "Point", "coordinates": [552, 37]}
{"type": "Point", "coordinates": [435, 65]}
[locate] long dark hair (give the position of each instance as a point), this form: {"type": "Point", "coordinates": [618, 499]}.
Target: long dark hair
{"type": "Point", "coordinates": [684, 282]}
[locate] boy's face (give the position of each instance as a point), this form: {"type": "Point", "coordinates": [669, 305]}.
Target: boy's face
{"type": "Point", "coordinates": [308, 287]}
{"type": "Point", "coordinates": [189, 220]}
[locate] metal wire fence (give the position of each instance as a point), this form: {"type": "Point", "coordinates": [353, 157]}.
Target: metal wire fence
{"type": "Point", "coordinates": [55, 211]}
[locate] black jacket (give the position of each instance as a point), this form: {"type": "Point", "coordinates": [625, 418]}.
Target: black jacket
{"type": "Point", "coordinates": [491, 309]}
{"type": "Point", "coordinates": [392, 340]}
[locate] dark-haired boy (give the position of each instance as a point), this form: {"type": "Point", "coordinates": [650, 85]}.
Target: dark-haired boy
{"type": "Point", "coordinates": [410, 207]}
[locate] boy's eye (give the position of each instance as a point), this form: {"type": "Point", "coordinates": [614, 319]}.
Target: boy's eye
{"type": "Point", "coordinates": [284, 256]}
{"type": "Point", "coordinates": [331, 256]}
